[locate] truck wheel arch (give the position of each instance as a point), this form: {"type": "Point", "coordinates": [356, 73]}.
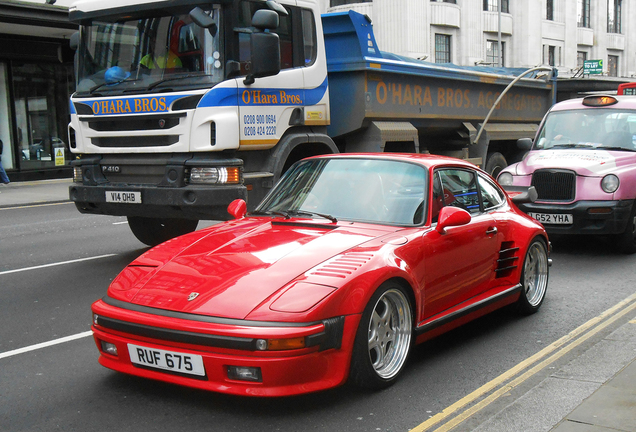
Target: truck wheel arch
{"type": "Point", "coordinates": [297, 146]}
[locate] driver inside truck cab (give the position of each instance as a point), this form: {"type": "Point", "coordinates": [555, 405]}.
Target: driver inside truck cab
{"type": "Point", "coordinates": [159, 56]}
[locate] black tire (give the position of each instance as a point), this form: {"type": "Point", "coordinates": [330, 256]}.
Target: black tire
{"type": "Point", "coordinates": [627, 240]}
{"type": "Point", "coordinates": [534, 278]}
{"type": "Point", "coordinates": [153, 231]}
{"type": "Point", "coordinates": [384, 338]}
{"type": "Point", "coordinates": [495, 163]}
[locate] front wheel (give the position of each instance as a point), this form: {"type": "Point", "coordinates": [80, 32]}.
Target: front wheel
{"type": "Point", "coordinates": [534, 278]}
{"type": "Point", "coordinates": [383, 340]}
{"type": "Point", "coordinates": [153, 231]}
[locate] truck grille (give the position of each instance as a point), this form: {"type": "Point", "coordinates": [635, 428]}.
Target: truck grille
{"type": "Point", "coordinates": [554, 185]}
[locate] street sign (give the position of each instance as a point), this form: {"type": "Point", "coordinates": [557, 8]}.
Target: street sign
{"type": "Point", "coordinates": [593, 67]}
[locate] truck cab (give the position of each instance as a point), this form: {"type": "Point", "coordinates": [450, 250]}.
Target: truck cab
{"type": "Point", "coordinates": [583, 166]}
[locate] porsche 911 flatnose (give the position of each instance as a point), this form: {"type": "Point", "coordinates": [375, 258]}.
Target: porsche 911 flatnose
{"type": "Point", "coordinates": [347, 263]}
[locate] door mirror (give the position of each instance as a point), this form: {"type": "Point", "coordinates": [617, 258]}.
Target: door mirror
{"type": "Point", "coordinates": [450, 217]}
{"type": "Point", "coordinates": [264, 47]}
{"type": "Point", "coordinates": [74, 41]}
{"type": "Point", "coordinates": [204, 20]}
{"type": "Point", "coordinates": [524, 144]}
{"type": "Point", "coordinates": [237, 208]}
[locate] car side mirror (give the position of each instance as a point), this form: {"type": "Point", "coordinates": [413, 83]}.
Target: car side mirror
{"type": "Point", "coordinates": [524, 144]}
{"type": "Point", "coordinates": [450, 217]}
{"type": "Point", "coordinates": [237, 208]}
{"type": "Point", "coordinates": [521, 194]}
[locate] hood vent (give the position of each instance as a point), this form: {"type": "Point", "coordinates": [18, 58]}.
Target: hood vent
{"type": "Point", "coordinates": [342, 266]}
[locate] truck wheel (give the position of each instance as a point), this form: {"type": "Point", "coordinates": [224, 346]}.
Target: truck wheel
{"type": "Point", "coordinates": [495, 163]}
{"type": "Point", "coordinates": [383, 339]}
{"type": "Point", "coordinates": [627, 240]}
{"type": "Point", "coordinates": [153, 231]}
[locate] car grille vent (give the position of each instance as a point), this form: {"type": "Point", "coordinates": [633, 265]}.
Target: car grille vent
{"type": "Point", "coordinates": [554, 185]}
{"type": "Point", "coordinates": [342, 266]}
{"type": "Point", "coordinates": [508, 259]}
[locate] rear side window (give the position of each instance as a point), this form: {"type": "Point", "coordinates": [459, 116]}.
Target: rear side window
{"type": "Point", "coordinates": [491, 195]}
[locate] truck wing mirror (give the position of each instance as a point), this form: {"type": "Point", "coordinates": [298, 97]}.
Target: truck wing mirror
{"type": "Point", "coordinates": [203, 20]}
{"type": "Point", "coordinates": [264, 46]}
{"type": "Point", "coordinates": [524, 144]}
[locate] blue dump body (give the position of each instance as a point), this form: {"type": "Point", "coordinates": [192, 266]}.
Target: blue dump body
{"type": "Point", "coordinates": [428, 95]}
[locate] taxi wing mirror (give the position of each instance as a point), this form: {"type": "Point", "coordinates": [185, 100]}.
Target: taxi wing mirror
{"type": "Point", "coordinates": [521, 194]}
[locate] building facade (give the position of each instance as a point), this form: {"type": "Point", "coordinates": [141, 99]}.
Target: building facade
{"type": "Point", "coordinates": [36, 79]}
{"type": "Point", "coordinates": [559, 33]}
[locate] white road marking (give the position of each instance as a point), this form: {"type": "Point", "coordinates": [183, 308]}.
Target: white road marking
{"type": "Point", "coordinates": [46, 344]}
{"type": "Point", "coordinates": [55, 264]}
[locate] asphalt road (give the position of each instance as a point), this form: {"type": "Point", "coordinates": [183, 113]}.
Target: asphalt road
{"type": "Point", "coordinates": [54, 262]}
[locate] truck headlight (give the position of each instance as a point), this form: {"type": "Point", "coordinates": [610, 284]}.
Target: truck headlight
{"type": "Point", "coordinates": [505, 179]}
{"type": "Point", "coordinates": [610, 183]}
{"type": "Point", "coordinates": [215, 175]}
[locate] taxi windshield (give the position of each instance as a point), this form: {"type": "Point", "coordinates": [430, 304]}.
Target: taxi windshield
{"type": "Point", "coordinates": [592, 128]}
{"type": "Point", "coordinates": [168, 52]}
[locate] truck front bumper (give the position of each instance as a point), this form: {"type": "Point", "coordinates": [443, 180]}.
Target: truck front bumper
{"type": "Point", "coordinates": [589, 217]}
{"type": "Point", "coordinates": [187, 202]}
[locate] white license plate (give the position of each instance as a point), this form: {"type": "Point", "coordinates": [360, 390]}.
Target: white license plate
{"type": "Point", "coordinates": [191, 364]}
{"type": "Point", "coordinates": [123, 197]}
{"type": "Point", "coordinates": [552, 218]}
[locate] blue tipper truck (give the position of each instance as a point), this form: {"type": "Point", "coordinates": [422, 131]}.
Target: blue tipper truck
{"type": "Point", "coordinates": [182, 107]}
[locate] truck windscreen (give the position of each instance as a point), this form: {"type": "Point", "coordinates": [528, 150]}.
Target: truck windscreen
{"type": "Point", "coordinates": [146, 53]}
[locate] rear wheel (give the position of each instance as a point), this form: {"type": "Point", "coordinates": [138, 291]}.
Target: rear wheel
{"type": "Point", "coordinates": [153, 231]}
{"type": "Point", "coordinates": [534, 278]}
{"type": "Point", "coordinates": [495, 163]}
{"type": "Point", "coordinates": [627, 240]}
{"type": "Point", "coordinates": [383, 340]}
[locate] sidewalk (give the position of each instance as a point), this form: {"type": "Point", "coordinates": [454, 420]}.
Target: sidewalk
{"type": "Point", "coordinates": [595, 392]}
{"type": "Point", "coordinates": [34, 192]}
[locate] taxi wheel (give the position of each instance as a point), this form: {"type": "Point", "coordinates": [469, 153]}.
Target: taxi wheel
{"type": "Point", "coordinates": [383, 340]}
{"type": "Point", "coordinates": [153, 231]}
{"type": "Point", "coordinates": [627, 240]}
{"type": "Point", "coordinates": [534, 278]}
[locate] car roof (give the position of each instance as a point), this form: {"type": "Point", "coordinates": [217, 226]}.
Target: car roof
{"type": "Point", "coordinates": [427, 160]}
{"type": "Point", "coordinates": [624, 102]}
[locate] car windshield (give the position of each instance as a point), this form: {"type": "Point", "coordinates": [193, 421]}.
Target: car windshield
{"type": "Point", "coordinates": [594, 128]}
{"type": "Point", "coordinates": [137, 55]}
{"type": "Point", "coordinates": [368, 190]}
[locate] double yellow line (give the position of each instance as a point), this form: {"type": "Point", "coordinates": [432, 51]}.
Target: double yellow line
{"type": "Point", "coordinates": [491, 391]}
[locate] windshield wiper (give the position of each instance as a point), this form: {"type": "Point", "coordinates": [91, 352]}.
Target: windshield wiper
{"type": "Point", "coordinates": [616, 148]}
{"type": "Point", "coordinates": [98, 86]}
{"type": "Point", "coordinates": [573, 145]}
{"type": "Point", "coordinates": [310, 213]}
{"type": "Point", "coordinates": [176, 78]}
{"type": "Point", "coordinates": [271, 213]}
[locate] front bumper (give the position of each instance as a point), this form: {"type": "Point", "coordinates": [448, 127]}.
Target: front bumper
{"type": "Point", "coordinates": [589, 217]}
{"type": "Point", "coordinates": [284, 373]}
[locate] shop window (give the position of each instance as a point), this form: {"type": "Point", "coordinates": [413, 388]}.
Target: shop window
{"type": "Point", "coordinates": [40, 107]}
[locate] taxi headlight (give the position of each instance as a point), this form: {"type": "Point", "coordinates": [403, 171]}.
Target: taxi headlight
{"type": "Point", "coordinates": [505, 179]}
{"type": "Point", "coordinates": [215, 175]}
{"type": "Point", "coordinates": [610, 183]}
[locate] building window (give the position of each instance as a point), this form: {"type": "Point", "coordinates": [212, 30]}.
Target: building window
{"type": "Point", "coordinates": [549, 13]}
{"type": "Point", "coordinates": [583, 13]}
{"type": "Point", "coordinates": [442, 48]}
{"type": "Point", "coordinates": [581, 56]}
{"type": "Point", "coordinates": [549, 55]}
{"type": "Point", "coordinates": [445, 1]}
{"type": "Point", "coordinates": [612, 65]}
{"type": "Point", "coordinates": [492, 53]}
{"type": "Point", "coordinates": [614, 16]}
{"type": "Point", "coordinates": [493, 5]}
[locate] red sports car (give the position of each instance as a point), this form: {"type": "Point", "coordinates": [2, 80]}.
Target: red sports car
{"type": "Point", "coordinates": [349, 261]}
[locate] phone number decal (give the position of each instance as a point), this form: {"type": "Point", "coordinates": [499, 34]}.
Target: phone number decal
{"type": "Point", "coordinates": [259, 125]}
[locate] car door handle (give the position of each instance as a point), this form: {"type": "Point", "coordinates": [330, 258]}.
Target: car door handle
{"type": "Point", "coordinates": [491, 231]}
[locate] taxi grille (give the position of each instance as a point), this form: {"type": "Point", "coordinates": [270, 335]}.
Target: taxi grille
{"type": "Point", "coordinates": [554, 185]}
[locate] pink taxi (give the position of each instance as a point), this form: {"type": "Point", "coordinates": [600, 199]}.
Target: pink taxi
{"type": "Point", "coordinates": [583, 166]}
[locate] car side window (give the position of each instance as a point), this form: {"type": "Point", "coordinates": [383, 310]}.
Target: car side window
{"type": "Point", "coordinates": [491, 195]}
{"type": "Point", "coordinates": [459, 189]}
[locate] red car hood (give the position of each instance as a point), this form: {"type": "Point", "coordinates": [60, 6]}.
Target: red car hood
{"type": "Point", "coordinates": [231, 277]}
